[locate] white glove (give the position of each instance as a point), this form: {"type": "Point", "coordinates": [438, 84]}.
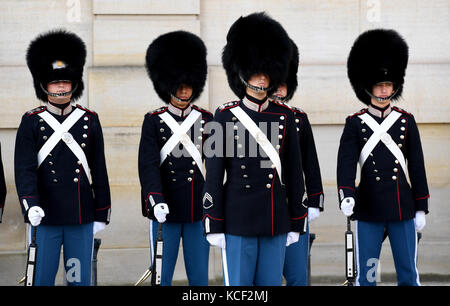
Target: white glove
{"type": "Point", "coordinates": [160, 211]}
{"type": "Point", "coordinates": [35, 215]}
{"type": "Point", "coordinates": [313, 213]}
{"type": "Point", "coordinates": [347, 205]}
{"type": "Point", "coordinates": [99, 226]}
{"type": "Point", "coordinates": [217, 240]}
{"type": "Point", "coordinates": [419, 220]}
{"type": "Point", "coordinates": [292, 237]}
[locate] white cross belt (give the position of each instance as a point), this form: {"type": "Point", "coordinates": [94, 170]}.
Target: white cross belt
{"type": "Point", "coordinates": [259, 136]}
{"type": "Point", "coordinates": [61, 133]}
{"type": "Point", "coordinates": [380, 134]}
{"type": "Point", "coordinates": [180, 136]}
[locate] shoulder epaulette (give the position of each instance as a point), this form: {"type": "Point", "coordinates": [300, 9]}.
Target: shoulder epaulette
{"type": "Point", "coordinates": [201, 109]}
{"type": "Point", "coordinates": [297, 109]}
{"type": "Point", "coordinates": [360, 112]}
{"type": "Point", "coordinates": [283, 104]}
{"type": "Point", "coordinates": [86, 109]}
{"type": "Point", "coordinates": [36, 110]}
{"type": "Point", "coordinates": [401, 110]}
{"type": "Point", "coordinates": [228, 105]}
{"type": "Point", "coordinates": [157, 111]}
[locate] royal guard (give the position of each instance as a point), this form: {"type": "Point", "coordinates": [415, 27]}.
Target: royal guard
{"type": "Point", "coordinates": [59, 161]}
{"type": "Point", "coordinates": [384, 140]}
{"type": "Point", "coordinates": [171, 156]}
{"type": "Point", "coordinates": [297, 254]}
{"type": "Point", "coordinates": [258, 210]}
{"type": "Point", "coordinates": [2, 186]}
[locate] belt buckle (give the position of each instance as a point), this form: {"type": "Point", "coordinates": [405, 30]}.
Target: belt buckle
{"type": "Point", "coordinates": [386, 138]}
{"type": "Point", "coordinates": [67, 137]}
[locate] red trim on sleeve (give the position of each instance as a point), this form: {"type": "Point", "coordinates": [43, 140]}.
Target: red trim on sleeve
{"type": "Point", "coordinates": [209, 216]}
{"type": "Point", "coordinates": [315, 194]}
{"type": "Point", "coordinates": [423, 198]}
{"type": "Point", "coordinates": [346, 188]}
{"type": "Point", "coordinates": [299, 218]}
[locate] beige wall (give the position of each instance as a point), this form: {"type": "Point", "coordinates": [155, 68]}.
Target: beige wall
{"type": "Point", "coordinates": [117, 33]}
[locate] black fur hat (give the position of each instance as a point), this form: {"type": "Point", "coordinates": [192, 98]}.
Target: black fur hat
{"type": "Point", "coordinates": [291, 80]}
{"type": "Point", "coordinates": [256, 44]}
{"type": "Point", "coordinates": [177, 58]}
{"type": "Point", "coordinates": [56, 55]}
{"type": "Point", "coordinates": [376, 56]}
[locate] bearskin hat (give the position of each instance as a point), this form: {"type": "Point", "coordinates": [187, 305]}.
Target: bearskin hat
{"type": "Point", "coordinates": [291, 80]}
{"type": "Point", "coordinates": [177, 58]}
{"type": "Point", "coordinates": [256, 44]}
{"type": "Point", "coordinates": [378, 55]}
{"type": "Point", "coordinates": [57, 55]}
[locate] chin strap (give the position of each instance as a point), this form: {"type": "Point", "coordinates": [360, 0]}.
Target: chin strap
{"type": "Point", "coordinates": [277, 98]}
{"type": "Point", "coordinates": [255, 88]}
{"type": "Point", "coordinates": [181, 100]}
{"type": "Point", "coordinates": [61, 94]}
{"type": "Point", "coordinates": [379, 99]}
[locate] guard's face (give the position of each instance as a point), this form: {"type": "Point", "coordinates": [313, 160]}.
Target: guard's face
{"type": "Point", "coordinates": [184, 92]}
{"type": "Point", "coordinates": [59, 87]}
{"type": "Point", "coordinates": [259, 80]}
{"type": "Point", "coordinates": [383, 89]}
{"type": "Point", "coordinates": [281, 91]}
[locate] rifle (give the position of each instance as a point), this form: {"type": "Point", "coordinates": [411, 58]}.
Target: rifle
{"type": "Point", "coordinates": [155, 269]}
{"type": "Point", "coordinates": [31, 260]}
{"type": "Point", "coordinates": [312, 237]}
{"type": "Point", "coordinates": [350, 271]}
{"type": "Point", "coordinates": [97, 243]}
